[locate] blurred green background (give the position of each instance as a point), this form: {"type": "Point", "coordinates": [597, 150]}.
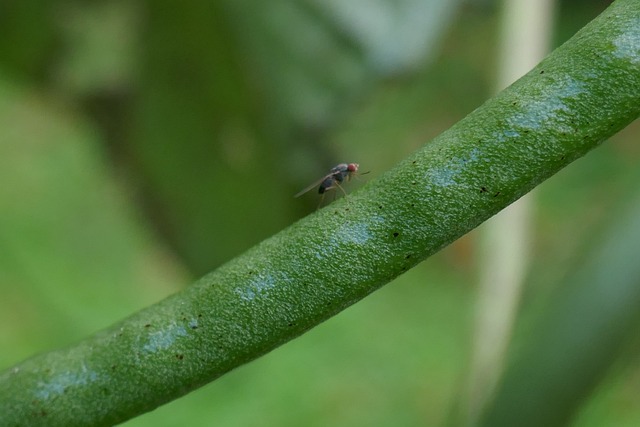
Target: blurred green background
{"type": "Point", "coordinates": [145, 143]}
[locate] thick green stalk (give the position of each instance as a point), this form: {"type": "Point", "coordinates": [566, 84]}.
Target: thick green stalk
{"type": "Point", "coordinates": [581, 94]}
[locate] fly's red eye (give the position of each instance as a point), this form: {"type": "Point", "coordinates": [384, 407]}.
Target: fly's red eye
{"type": "Point", "coordinates": [352, 167]}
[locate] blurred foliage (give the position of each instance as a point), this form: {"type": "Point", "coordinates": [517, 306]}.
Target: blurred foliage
{"type": "Point", "coordinates": [602, 321]}
{"type": "Point", "coordinates": [72, 247]}
{"type": "Point", "coordinates": [145, 143]}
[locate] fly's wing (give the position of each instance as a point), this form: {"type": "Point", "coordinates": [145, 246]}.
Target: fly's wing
{"type": "Point", "coordinates": [312, 186]}
{"type": "Point", "coordinates": [342, 168]}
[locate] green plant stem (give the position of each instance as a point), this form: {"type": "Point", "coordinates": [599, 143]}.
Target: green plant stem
{"type": "Point", "coordinates": [584, 92]}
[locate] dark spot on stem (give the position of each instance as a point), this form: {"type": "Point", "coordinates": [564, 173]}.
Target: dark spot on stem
{"type": "Point", "coordinates": [497, 194]}
{"type": "Point", "coordinates": [414, 162]}
{"type": "Point", "coordinates": [179, 356]}
{"type": "Point", "coordinates": [541, 71]}
{"type": "Point", "coordinates": [148, 325]}
{"type": "Point", "coordinates": [408, 256]}
{"type": "Point", "coordinates": [483, 189]}
{"type": "Point", "coordinates": [396, 234]}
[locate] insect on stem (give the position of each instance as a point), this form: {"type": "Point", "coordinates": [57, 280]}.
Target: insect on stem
{"type": "Point", "coordinates": [337, 175]}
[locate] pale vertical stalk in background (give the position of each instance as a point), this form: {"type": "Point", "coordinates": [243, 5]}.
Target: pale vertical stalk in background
{"type": "Point", "coordinates": [505, 238]}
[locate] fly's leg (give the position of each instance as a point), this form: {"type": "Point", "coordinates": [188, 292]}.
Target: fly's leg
{"type": "Point", "coordinates": [343, 192]}
{"type": "Point", "coordinates": [341, 189]}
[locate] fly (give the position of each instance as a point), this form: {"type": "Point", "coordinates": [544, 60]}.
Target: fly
{"type": "Point", "coordinates": [336, 176]}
